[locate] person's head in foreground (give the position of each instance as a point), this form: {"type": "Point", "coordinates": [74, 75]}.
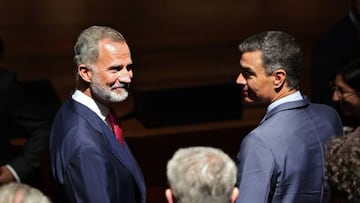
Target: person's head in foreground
{"type": "Point", "coordinates": [343, 166]}
{"type": "Point", "coordinates": [21, 193]}
{"type": "Point", "coordinates": [201, 175]}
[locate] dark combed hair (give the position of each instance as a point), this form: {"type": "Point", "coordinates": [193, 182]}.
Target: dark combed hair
{"type": "Point", "coordinates": [343, 164]}
{"type": "Point", "coordinates": [279, 51]}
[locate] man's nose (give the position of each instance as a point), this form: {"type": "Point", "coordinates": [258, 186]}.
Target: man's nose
{"type": "Point", "coordinates": [240, 79]}
{"type": "Point", "coordinates": [125, 75]}
{"type": "Point", "coordinates": [336, 97]}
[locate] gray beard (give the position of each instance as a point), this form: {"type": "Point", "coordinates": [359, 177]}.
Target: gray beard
{"type": "Point", "coordinates": [106, 95]}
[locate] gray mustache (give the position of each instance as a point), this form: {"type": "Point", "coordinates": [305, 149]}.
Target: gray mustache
{"type": "Point", "coordinates": [121, 85]}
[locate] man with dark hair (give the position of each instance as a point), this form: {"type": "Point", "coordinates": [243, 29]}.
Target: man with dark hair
{"type": "Point", "coordinates": [282, 160]}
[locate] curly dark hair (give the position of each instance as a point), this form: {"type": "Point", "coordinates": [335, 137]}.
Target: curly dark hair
{"type": "Point", "coordinates": [343, 164]}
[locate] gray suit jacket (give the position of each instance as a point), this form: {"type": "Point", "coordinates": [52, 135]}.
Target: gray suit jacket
{"type": "Point", "coordinates": [282, 160]}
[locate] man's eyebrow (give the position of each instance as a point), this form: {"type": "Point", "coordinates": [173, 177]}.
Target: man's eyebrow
{"type": "Point", "coordinates": [116, 66]}
{"type": "Point", "coordinates": [128, 66]}
{"type": "Point", "coordinates": [246, 69]}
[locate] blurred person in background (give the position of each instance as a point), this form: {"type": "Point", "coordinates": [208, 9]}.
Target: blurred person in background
{"type": "Point", "coordinates": [346, 94]}
{"type": "Point", "coordinates": [19, 115]}
{"type": "Point", "coordinates": [336, 47]}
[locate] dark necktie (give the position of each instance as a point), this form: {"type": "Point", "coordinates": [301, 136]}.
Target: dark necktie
{"type": "Point", "coordinates": [115, 126]}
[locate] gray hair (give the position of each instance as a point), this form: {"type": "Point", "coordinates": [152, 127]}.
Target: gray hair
{"type": "Point", "coordinates": [86, 48]}
{"type": "Point", "coordinates": [279, 51]}
{"type": "Point", "coordinates": [201, 175]}
{"type": "Point", "coordinates": [21, 193]}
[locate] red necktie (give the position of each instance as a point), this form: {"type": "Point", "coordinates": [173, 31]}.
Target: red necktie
{"type": "Point", "coordinates": [115, 127]}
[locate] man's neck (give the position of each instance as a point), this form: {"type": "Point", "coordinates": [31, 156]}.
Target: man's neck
{"type": "Point", "coordinates": [283, 93]}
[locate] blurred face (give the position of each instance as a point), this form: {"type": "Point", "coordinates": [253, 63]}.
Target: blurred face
{"type": "Point", "coordinates": [111, 74]}
{"type": "Point", "coordinates": [257, 85]}
{"type": "Point", "coordinates": [346, 97]}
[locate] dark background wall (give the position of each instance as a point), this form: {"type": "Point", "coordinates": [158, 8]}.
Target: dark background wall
{"type": "Point", "coordinates": [174, 42]}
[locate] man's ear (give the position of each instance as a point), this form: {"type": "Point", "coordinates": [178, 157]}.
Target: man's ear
{"type": "Point", "coordinates": [169, 195]}
{"type": "Point", "coordinates": [84, 72]}
{"type": "Point", "coordinates": [279, 78]}
{"type": "Point", "coordinates": [234, 195]}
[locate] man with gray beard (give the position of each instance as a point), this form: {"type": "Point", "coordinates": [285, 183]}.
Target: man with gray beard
{"type": "Point", "coordinates": [90, 160]}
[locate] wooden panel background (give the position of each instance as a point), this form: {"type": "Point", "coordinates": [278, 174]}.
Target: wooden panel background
{"type": "Point", "coordinates": [174, 42]}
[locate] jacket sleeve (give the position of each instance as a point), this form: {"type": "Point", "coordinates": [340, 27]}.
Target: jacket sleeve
{"type": "Point", "coordinates": [87, 176]}
{"type": "Point", "coordinates": [256, 168]}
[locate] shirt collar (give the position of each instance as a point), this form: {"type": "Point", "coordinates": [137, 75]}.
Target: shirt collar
{"type": "Point", "coordinates": [100, 109]}
{"type": "Point", "coordinates": [289, 98]}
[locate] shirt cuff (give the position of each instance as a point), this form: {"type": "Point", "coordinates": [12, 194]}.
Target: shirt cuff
{"type": "Point", "coordinates": [13, 172]}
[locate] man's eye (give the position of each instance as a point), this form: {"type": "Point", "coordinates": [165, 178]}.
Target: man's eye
{"type": "Point", "coordinates": [114, 69]}
{"type": "Point", "coordinates": [129, 67]}
{"type": "Point", "coordinates": [246, 73]}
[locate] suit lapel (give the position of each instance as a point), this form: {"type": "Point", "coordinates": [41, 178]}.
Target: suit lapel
{"type": "Point", "coordinates": [122, 153]}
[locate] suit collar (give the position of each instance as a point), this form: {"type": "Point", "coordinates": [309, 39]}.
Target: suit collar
{"type": "Point", "coordinates": [100, 109]}
{"type": "Point", "coordinates": [291, 97]}
{"type": "Point", "coordinates": [286, 106]}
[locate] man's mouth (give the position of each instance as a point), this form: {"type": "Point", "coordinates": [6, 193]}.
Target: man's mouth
{"type": "Point", "coordinates": [120, 86]}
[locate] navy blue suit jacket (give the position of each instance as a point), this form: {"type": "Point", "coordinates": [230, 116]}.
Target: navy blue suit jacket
{"type": "Point", "coordinates": [282, 160]}
{"type": "Point", "coordinates": [88, 163]}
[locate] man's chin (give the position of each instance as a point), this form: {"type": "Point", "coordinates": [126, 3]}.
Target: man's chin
{"type": "Point", "coordinates": [253, 101]}
{"type": "Point", "coordinates": [112, 99]}
{"type": "Point", "coordinates": [248, 100]}
{"type": "Point", "coordinates": [116, 98]}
